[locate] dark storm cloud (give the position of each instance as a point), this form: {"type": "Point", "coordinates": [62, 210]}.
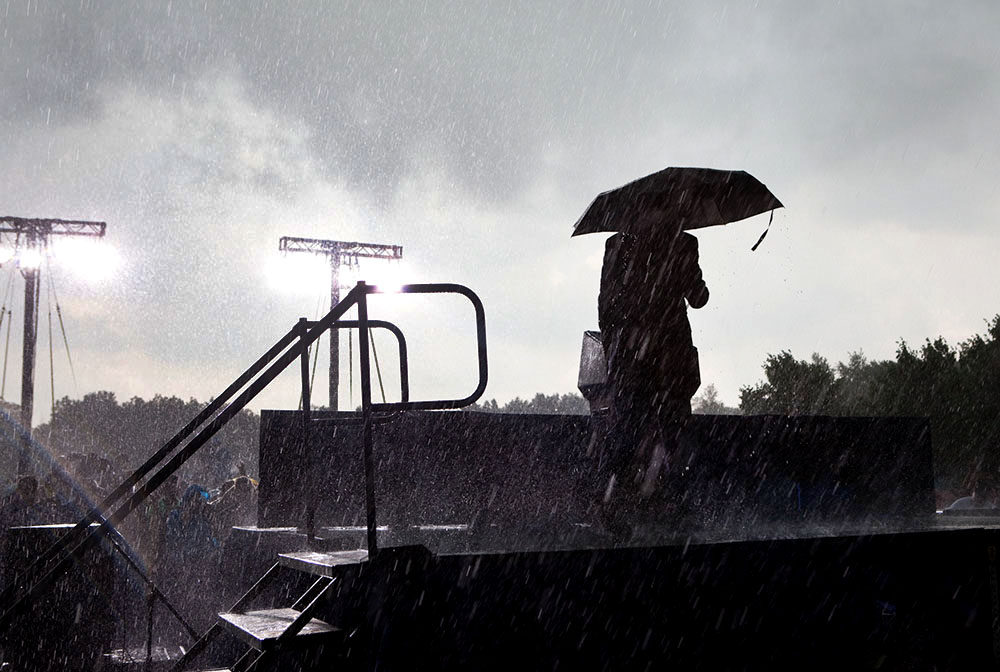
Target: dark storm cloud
{"type": "Point", "coordinates": [484, 87]}
{"type": "Point", "coordinates": [474, 134]}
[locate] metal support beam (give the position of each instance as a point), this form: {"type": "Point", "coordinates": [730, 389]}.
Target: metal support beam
{"type": "Point", "coordinates": [334, 374]}
{"type": "Point", "coordinates": [29, 340]}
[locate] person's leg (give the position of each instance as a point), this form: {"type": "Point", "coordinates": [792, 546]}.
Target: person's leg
{"type": "Point", "coordinates": [626, 460]}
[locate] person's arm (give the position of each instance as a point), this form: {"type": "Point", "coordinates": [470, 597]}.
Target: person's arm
{"type": "Point", "coordinates": [697, 294]}
{"type": "Point", "coordinates": [612, 272]}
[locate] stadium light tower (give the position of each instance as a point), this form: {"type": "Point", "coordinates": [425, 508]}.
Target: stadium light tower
{"type": "Point", "coordinates": [29, 238]}
{"type": "Point", "coordinates": [338, 252]}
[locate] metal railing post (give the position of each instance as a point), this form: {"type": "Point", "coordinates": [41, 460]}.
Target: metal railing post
{"type": "Point", "coordinates": [127, 497]}
{"type": "Point", "coordinates": [310, 508]}
{"type": "Point", "coordinates": [42, 573]}
{"type": "Point", "coordinates": [366, 418]}
{"type": "Point", "coordinates": [404, 375]}
{"type": "Point", "coordinates": [150, 604]}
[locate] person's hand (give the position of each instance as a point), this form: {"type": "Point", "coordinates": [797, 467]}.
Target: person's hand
{"type": "Point", "coordinates": [699, 297]}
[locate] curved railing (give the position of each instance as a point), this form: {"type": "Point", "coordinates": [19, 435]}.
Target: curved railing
{"type": "Point", "coordinates": [295, 344]}
{"type": "Point", "coordinates": [404, 366]}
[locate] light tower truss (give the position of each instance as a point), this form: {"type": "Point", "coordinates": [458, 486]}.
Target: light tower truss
{"type": "Point", "coordinates": [33, 234]}
{"type": "Point", "coordinates": [38, 229]}
{"type": "Point", "coordinates": [338, 252]}
{"type": "Point", "coordinates": [340, 248]}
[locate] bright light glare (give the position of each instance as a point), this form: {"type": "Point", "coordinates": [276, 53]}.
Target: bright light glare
{"type": "Point", "coordinates": [91, 260]}
{"type": "Point", "coordinates": [389, 277]}
{"type": "Point", "coordinates": [6, 254]}
{"type": "Point", "coordinates": [298, 273]}
{"type": "Point", "coordinates": [29, 259]}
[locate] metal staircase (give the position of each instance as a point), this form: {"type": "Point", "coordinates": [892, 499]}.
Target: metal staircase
{"type": "Point", "coordinates": [276, 629]}
{"type": "Point", "coordinates": [269, 632]}
{"type": "Point", "coordinates": [326, 621]}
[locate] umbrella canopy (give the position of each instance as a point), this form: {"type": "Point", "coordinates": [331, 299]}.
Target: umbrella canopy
{"type": "Point", "coordinates": [692, 197]}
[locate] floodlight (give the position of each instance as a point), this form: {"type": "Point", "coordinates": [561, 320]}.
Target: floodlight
{"type": "Point", "coordinates": [388, 278]}
{"type": "Point", "coordinates": [89, 259]}
{"type": "Point", "coordinates": [299, 274]}
{"type": "Point", "coordinates": [29, 258]}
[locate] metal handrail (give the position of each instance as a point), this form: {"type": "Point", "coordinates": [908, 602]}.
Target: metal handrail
{"type": "Point", "coordinates": [404, 368]}
{"type": "Point", "coordinates": [81, 537]}
{"type": "Point", "coordinates": [295, 344]}
{"type": "Point", "coordinates": [98, 513]}
{"type": "Point", "coordinates": [368, 408]}
{"type": "Point", "coordinates": [477, 304]}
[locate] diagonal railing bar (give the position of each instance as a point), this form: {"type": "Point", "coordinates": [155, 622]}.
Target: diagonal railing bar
{"type": "Point", "coordinates": [293, 345]}
{"type": "Point", "coordinates": [98, 513]}
{"type": "Point", "coordinates": [150, 585]}
{"type": "Point", "coordinates": [200, 439]}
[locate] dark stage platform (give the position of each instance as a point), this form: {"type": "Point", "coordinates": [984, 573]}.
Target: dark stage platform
{"type": "Point", "coordinates": [523, 473]}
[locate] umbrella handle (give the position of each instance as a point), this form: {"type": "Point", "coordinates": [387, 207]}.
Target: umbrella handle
{"type": "Point", "coordinates": [761, 239]}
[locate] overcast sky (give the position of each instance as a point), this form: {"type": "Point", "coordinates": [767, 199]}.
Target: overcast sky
{"type": "Point", "coordinates": [474, 135]}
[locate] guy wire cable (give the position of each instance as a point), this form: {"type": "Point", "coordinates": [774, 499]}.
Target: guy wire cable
{"type": "Point", "coordinates": [10, 284]}
{"type": "Point", "coordinates": [6, 295]}
{"type": "Point", "coordinates": [52, 368]}
{"type": "Point", "coordinates": [355, 266]}
{"type": "Point", "coordinates": [3, 308]}
{"type": "Point", "coordinates": [378, 369]}
{"type": "Point", "coordinates": [312, 377]}
{"type": "Point", "coordinates": [309, 351]}
{"type": "Point", "coordinates": [3, 386]}
{"type": "Point", "coordinates": [62, 328]}
{"type": "Point", "coordinates": [10, 319]}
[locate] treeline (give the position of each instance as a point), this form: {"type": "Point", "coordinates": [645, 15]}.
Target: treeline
{"type": "Point", "coordinates": [561, 404]}
{"type": "Point", "coordinates": [957, 387]}
{"type": "Point", "coordinates": [707, 402]}
{"type": "Point", "coordinates": [125, 434]}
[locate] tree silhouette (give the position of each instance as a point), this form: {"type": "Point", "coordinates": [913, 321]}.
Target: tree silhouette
{"type": "Point", "coordinates": [128, 433]}
{"type": "Point", "coordinates": [958, 388]}
{"type": "Point", "coordinates": [708, 403]}
{"type": "Point", "coordinates": [793, 387]}
{"type": "Point", "coordinates": [551, 404]}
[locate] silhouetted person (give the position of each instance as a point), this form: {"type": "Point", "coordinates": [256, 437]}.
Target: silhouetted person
{"type": "Point", "coordinates": [57, 504]}
{"type": "Point", "coordinates": [21, 507]}
{"type": "Point", "coordinates": [18, 509]}
{"type": "Point", "coordinates": [189, 534]}
{"type": "Point", "coordinates": [236, 505]}
{"type": "Point", "coordinates": [153, 532]}
{"type": "Point", "coordinates": [646, 283]}
{"type": "Point", "coordinates": [189, 570]}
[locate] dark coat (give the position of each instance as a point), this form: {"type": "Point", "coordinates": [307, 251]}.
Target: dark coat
{"type": "Point", "coordinates": [646, 284]}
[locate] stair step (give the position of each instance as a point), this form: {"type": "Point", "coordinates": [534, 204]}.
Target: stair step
{"type": "Point", "coordinates": [261, 629]}
{"type": "Point", "coordinates": [322, 564]}
{"type": "Point", "coordinates": [161, 658]}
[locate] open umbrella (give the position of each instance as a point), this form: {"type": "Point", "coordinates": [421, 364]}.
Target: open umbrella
{"type": "Point", "coordinates": [693, 197]}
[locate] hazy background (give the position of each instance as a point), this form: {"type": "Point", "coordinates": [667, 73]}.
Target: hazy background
{"type": "Point", "coordinates": [474, 135]}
